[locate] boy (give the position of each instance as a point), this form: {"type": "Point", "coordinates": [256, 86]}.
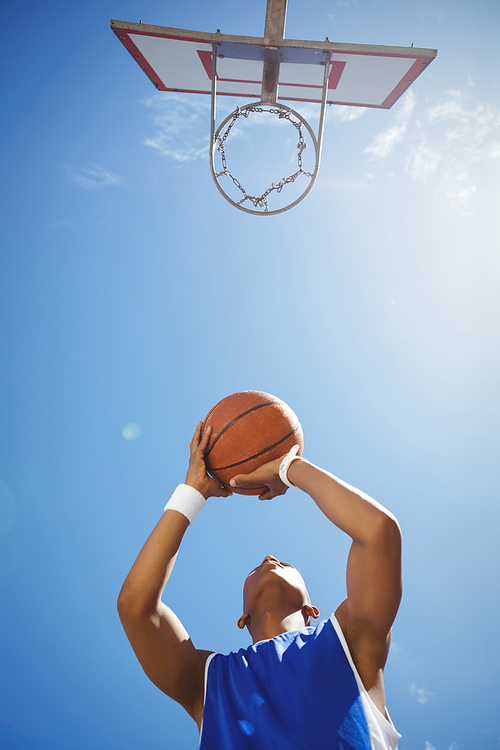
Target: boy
{"type": "Point", "coordinates": [297, 686]}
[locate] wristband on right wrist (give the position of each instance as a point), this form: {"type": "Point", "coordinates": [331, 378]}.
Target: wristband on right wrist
{"type": "Point", "coordinates": [186, 500]}
{"type": "Point", "coordinates": [285, 464]}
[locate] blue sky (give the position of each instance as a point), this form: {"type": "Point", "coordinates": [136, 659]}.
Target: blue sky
{"type": "Point", "coordinates": [132, 293]}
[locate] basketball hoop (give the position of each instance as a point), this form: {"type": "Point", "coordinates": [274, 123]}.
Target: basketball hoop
{"type": "Point", "coordinates": [260, 203]}
{"type": "Point", "coordinates": [265, 69]}
{"type": "Point", "coordinates": [269, 104]}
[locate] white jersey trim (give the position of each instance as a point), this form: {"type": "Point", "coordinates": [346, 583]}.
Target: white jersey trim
{"type": "Point", "coordinates": [207, 664]}
{"type": "Point", "coordinates": [383, 733]}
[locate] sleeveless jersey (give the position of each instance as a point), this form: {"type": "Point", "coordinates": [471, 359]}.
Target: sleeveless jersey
{"type": "Point", "coordinates": [297, 691]}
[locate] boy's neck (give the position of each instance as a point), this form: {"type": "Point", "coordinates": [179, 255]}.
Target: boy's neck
{"type": "Point", "coordinates": [266, 625]}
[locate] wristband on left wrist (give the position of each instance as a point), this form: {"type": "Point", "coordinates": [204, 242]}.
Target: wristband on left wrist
{"type": "Point", "coordinates": [285, 465]}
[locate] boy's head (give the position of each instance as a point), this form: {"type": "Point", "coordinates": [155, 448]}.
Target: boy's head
{"type": "Point", "coordinates": [275, 589]}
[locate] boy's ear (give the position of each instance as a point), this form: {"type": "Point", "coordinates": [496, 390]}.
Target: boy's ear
{"type": "Point", "coordinates": [244, 621]}
{"type": "Point", "coordinates": [308, 611]}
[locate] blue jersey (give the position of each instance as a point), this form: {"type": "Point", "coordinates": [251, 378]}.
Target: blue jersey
{"type": "Point", "coordinates": [297, 691]}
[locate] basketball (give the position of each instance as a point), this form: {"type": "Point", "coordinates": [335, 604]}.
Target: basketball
{"type": "Point", "coordinates": [249, 428]}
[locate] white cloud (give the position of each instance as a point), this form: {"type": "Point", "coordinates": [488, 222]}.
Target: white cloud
{"type": "Point", "coordinates": [468, 125]}
{"type": "Point", "coordinates": [90, 177]}
{"type": "Point", "coordinates": [421, 695]}
{"type": "Point", "coordinates": [428, 746]}
{"type": "Point", "coordinates": [384, 142]}
{"type": "Point", "coordinates": [182, 123]}
{"type": "Point", "coordinates": [182, 126]}
{"type": "Point", "coordinates": [459, 197]}
{"type": "Point", "coordinates": [335, 112]}
{"type": "Point", "coordinates": [422, 162]}
{"type": "Point", "coordinates": [449, 109]}
{"type": "Point", "coordinates": [453, 144]}
{"type": "Point", "coordinates": [346, 114]}
{"type": "Point", "coordinates": [494, 150]}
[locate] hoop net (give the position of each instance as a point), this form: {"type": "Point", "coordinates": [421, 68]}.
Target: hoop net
{"type": "Point", "coordinates": [260, 203]}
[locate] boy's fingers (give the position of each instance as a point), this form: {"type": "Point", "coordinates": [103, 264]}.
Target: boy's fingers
{"type": "Point", "coordinates": [205, 437]}
{"type": "Point", "coordinates": [240, 479]}
{"type": "Point", "coordinates": [196, 438]}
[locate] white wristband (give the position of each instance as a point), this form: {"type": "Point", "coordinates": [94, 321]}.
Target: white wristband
{"type": "Point", "coordinates": [283, 471]}
{"type": "Point", "coordinates": [186, 500]}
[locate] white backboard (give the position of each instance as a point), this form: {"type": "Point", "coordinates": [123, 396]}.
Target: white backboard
{"type": "Point", "coordinates": [360, 75]}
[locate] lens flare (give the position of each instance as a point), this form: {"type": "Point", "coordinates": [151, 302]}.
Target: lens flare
{"type": "Point", "coordinates": [131, 431]}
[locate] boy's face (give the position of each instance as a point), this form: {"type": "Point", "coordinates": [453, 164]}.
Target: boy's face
{"type": "Point", "coordinates": [275, 582]}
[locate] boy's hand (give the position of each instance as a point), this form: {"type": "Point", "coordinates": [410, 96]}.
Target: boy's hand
{"type": "Point", "coordinates": [197, 476]}
{"type": "Point", "coordinates": [267, 474]}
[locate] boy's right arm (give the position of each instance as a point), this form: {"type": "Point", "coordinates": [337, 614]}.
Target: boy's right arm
{"type": "Point", "coordinates": [159, 640]}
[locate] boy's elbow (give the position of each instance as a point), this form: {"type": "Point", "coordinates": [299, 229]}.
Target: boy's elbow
{"type": "Point", "coordinates": [127, 603]}
{"type": "Point", "coordinates": [132, 606]}
{"type": "Point", "coordinates": [123, 602]}
{"type": "Point", "coordinates": [389, 530]}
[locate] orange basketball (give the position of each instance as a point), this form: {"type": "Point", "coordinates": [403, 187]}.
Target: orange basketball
{"type": "Point", "coordinates": [249, 428]}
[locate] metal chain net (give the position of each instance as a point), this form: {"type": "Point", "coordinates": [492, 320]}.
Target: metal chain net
{"type": "Point", "coordinates": [261, 201]}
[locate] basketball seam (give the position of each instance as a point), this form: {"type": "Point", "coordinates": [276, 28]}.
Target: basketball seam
{"type": "Point", "coordinates": [254, 408]}
{"type": "Point", "coordinates": [261, 453]}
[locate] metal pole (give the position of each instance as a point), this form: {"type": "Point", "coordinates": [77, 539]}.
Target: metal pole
{"type": "Point", "coordinates": [274, 32]}
{"type": "Point", "coordinates": [275, 20]}
{"type": "Point", "coordinates": [323, 109]}
{"type": "Point", "coordinates": [213, 108]}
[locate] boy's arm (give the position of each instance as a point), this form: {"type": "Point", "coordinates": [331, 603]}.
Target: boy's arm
{"type": "Point", "coordinates": [374, 563]}
{"type": "Point", "coordinates": [159, 640]}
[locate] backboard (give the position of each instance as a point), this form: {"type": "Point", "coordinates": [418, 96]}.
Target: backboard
{"type": "Point", "coordinates": [269, 69]}
{"type": "Point", "coordinates": [359, 75]}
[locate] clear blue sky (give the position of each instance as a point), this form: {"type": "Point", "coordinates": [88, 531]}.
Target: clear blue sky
{"type": "Point", "coordinates": [131, 292]}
